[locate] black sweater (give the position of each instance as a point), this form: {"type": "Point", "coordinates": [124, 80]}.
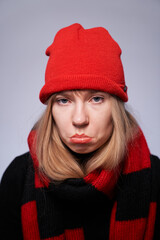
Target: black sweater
{"type": "Point", "coordinates": [11, 191]}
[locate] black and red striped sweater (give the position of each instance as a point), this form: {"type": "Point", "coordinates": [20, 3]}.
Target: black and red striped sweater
{"type": "Point", "coordinates": [103, 205]}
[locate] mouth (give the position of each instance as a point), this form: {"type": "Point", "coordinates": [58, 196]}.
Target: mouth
{"type": "Point", "coordinates": [81, 139]}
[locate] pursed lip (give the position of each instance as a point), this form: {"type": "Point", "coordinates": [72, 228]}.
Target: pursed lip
{"type": "Point", "coordinates": [80, 138]}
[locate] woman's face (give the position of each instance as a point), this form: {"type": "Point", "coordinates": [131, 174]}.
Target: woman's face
{"type": "Point", "coordinates": [83, 119]}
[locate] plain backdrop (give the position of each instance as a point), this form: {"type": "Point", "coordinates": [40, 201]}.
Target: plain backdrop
{"type": "Point", "coordinates": [27, 28]}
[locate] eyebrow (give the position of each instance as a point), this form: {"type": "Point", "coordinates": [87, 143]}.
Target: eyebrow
{"type": "Point", "coordinates": [78, 92]}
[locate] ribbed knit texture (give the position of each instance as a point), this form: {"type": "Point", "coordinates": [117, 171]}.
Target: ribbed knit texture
{"type": "Point", "coordinates": [103, 205]}
{"type": "Point", "coordinates": [84, 59]}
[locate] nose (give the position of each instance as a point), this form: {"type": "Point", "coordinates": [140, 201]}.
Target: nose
{"type": "Point", "coordinates": [80, 116]}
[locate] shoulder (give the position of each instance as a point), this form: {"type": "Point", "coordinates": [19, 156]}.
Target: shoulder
{"type": "Point", "coordinates": [154, 159]}
{"type": "Point", "coordinates": [11, 191]}
{"type": "Point", "coordinates": [155, 176]}
{"type": "Point", "coordinates": [14, 176]}
{"type": "Point", "coordinates": [155, 192]}
{"type": "Point", "coordinates": [17, 167]}
{"type": "Point", "coordinates": [155, 166]}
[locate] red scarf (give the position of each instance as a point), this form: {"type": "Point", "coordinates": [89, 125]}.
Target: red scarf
{"type": "Point", "coordinates": [131, 211]}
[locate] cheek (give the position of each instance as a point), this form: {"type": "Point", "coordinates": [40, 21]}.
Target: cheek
{"type": "Point", "coordinates": [104, 124]}
{"type": "Point", "coordinates": [60, 121]}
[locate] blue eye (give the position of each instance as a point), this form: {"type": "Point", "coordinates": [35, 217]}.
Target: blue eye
{"type": "Point", "coordinates": [97, 99]}
{"type": "Point", "coordinates": [62, 101]}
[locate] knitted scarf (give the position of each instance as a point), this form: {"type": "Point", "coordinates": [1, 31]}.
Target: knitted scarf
{"type": "Point", "coordinates": [103, 205]}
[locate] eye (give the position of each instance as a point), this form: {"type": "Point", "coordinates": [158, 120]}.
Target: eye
{"type": "Point", "coordinates": [62, 101]}
{"type": "Point", "coordinates": [97, 99]}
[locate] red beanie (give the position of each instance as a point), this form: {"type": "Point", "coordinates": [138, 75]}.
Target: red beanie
{"type": "Point", "coordinates": [84, 59]}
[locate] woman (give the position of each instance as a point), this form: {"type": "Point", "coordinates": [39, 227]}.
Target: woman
{"type": "Point", "coordinates": [89, 173]}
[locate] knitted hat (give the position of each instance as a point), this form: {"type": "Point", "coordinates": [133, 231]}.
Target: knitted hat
{"type": "Point", "coordinates": [84, 59]}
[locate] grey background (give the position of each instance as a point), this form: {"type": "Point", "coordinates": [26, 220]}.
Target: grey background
{"type": "Point", "coordinates": [27, 28]}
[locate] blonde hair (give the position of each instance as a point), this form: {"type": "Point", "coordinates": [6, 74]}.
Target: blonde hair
{"type": "Point", "coordinates": [58, 163]}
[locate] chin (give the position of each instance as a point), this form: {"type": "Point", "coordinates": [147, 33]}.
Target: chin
{"type": "Point", "coordinates": [83, 150]}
